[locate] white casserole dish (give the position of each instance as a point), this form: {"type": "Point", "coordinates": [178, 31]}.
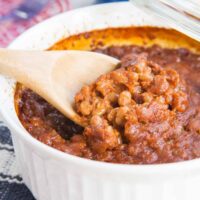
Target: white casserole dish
{"type": "Point", "coordinates": [53, 175]}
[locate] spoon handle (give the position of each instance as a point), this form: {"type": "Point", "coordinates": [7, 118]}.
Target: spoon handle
{"type": "Point", "coordinates": [27, 67]}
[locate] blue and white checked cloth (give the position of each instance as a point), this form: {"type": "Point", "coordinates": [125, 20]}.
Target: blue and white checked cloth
{"type": "Point", "coordinates": [11, 184]}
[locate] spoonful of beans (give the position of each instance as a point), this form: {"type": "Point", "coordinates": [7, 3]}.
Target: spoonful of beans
{"type": "Point", "coordinates": [56, 75]}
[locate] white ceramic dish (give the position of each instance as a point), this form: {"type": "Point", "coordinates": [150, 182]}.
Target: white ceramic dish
{"type": "Point", "coordinates": [53, 175]}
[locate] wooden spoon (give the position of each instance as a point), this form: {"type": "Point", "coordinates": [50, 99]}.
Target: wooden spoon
{"type": "Point", "coordinates": [56, 75]}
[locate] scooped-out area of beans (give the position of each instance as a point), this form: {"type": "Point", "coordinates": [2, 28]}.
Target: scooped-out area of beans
{"type": "Point", "coordinates": [146, 111]}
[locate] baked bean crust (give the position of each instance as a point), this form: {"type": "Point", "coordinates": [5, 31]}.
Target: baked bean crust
{"type": "Point", "coordinates": [146, 111]}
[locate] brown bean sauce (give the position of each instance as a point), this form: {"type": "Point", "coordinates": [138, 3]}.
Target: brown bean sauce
{"type": "Point", "coordinates": [161, 135]}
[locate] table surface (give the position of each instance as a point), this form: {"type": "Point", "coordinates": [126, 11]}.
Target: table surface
{"type": "Point", "coordinates": [13, 22]}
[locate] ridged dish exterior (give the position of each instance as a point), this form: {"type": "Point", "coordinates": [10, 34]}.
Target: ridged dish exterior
{"type": "Point", "coordinates": [50, 179]}
{"type": "Point", "coordinates": [53, 175]}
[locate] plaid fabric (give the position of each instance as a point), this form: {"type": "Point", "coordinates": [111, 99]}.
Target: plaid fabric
{"type": "Point", "coordinates": [11, 184]}
{"type": "Point", "coordinates": [28, 13]}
